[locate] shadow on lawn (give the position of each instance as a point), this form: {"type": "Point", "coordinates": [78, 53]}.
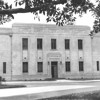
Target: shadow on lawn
{"type": "Point", "coordinates": [2, 86]}
{"type": "Point", "coordinates": [95, 95]}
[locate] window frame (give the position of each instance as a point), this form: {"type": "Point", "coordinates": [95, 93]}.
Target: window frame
{"type": "Point", "coordinates": [97, 65]}
{"type": "Point", "coordinates": [80, 44]}
{"type": "Point", "coordinates": [53, 44]}
{"type": "Point", "coordinates": [67, 66]}
{"type": "Point", "coordinates": [24, 43]}
{"type": "Point", "coordinates": [40, 67]}
{"type": "Point", "coordinates": [4, 67]}
{"type": "Point", "coordinates": [81, 66]}
{"type": "Point", "coordinates": [67, 44]}
{"type": "Point", "coordinates": [39, 43]}
{"type": "Point", "coordinates": [25, 70]}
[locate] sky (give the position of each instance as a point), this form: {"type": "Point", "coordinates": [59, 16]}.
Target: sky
{"type": "Point", "coordinates": [87, 19]}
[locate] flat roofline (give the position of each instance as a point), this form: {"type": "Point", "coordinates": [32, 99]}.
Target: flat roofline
{"type": "Point", "coordinates": [5, 28]}
{"type": "Point", "coordinates": [5, 31]}
{"type": "Point", "coordinates": [49, 25]}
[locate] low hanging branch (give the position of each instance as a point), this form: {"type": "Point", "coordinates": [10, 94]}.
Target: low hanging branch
{"type": "Point", "coordinates": [48, 7]}
{"type": "Point", "coordinates": [26, 10]}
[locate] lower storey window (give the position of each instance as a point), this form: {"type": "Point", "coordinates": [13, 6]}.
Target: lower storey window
{"type": "Point", "coordinates": [39, 66]}
{"type": "Point", "coordinates": [97, 65]}
{"type": "Point", "coordinates": [25, 67]}
{"type": "Point", "coordinates": [81, 68]}
{"type": "Point", "coordinates": [67, 64]}
{"type": "Point", "coordinates": [4, 67]}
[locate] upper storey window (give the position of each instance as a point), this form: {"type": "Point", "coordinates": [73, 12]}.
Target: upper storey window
{"type": "Point", "coordinates": [25, 43]}
{"type": "Point", "coordinates": [53, 43]}
{"type": "Point", "coordinates": [67, 44]}
{"type": "Point", "coordinates": [80, 44]}
{"type": "Point", "coordinates": [39, 43]}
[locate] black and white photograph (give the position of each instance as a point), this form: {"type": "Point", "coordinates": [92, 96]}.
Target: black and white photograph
{"type": "Point", "coordinates": [49, 49]}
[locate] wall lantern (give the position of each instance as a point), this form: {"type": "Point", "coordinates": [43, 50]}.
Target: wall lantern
{"type": "Point", "coordinates": [39, 57]}
{"type": "Point", "coordinates": [24, 57]}
{"type": "Point", "coordinates": [10, 35]}
{"type": "Point", "coordinates": [67, 57]}
{"type": "Point", "coordinates": [80, 57]}
{"type": "Point", "coordinates": [60, 62]}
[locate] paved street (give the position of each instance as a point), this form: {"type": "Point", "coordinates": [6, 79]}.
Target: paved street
{"type": "Point", "coordinates": [43, 89]}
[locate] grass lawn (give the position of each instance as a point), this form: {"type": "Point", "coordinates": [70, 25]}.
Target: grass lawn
{"type": "Point", "coordinates": [3, 86]}
{"type": "Point", "coordinates": [95, 95]}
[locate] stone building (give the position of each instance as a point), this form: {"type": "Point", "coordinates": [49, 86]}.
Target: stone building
{"type": "Point", "coordinates": [40, 51]}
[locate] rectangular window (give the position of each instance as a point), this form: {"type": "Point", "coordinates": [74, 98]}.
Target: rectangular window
{"type": "Point", "coordinates": [97, 65]}
{"type": "Point", "coordinates": [67, 44]}
{"type": "Point", "coordinates": [40, 66]}
{"type": "Point", "coordinates": [67, 64]}
{"type": "Point", "coordinates": [39, 43]}
{"type": "Point", "coordinates": [25, 67]}
{"type": "Point", "coordinates": [80, 44]}
{"type": "Point", "coordinates": [4, 67]}
{"type": "Point", "coordinates": [81, 66]}
{"type": "Point", "coordinates": [25, 43]}
{"type": "Point", "coordinates": [53, 43]}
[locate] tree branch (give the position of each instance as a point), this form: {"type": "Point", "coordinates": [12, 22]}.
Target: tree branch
{"type": "Point", "coordinates": [23, 10]}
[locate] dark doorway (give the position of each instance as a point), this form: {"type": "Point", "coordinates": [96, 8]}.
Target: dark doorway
{"type": "Point", "coordinates": [54, 69]}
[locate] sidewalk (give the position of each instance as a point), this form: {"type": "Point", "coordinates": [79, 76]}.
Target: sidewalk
{"type": "Point", "coordinates": [55, 81]}
{"type": "Point", "coordinates": [34, 90]}
{"type": "Point", "coordinates": [43, 91]}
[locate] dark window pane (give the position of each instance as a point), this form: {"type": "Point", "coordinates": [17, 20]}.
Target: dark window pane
{"type": "Point", "coordinates": [67, 66]}
{"type": "Point", "coordinates": [39, 43]}
{"type": "Point", "coordinates": [97, 65]}
{"type": "Point", "coordinates": [80, 44]}
{"type": "Point", "coordinates": [53, 43]}
{"type": "Point", "coordinates": [25, 67]}
{"type": "Point", "coordinates": [81, 66]}
{"type": "Point", "coordinates": [25, 43]}
{"type": "Point", "coordinates": [4, 67]}
{"type": "Point", "coordinates": [67, 44]}
{"type": "Point", "coordinates": [40, 66]}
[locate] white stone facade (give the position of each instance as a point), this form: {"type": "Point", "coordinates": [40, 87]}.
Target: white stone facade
{"type": "Point", "coordinates": [54, 61]}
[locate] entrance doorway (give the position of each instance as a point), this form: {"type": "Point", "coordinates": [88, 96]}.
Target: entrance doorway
{"type": "Point", "coordinates": [54, 69]}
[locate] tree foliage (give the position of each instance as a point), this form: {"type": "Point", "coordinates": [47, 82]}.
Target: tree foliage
{"type": "Point", "coordinates": [51, 9]}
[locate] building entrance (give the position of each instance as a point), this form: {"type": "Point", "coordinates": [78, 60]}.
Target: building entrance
{"type": "Point", "coordinates": [54, 69]}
